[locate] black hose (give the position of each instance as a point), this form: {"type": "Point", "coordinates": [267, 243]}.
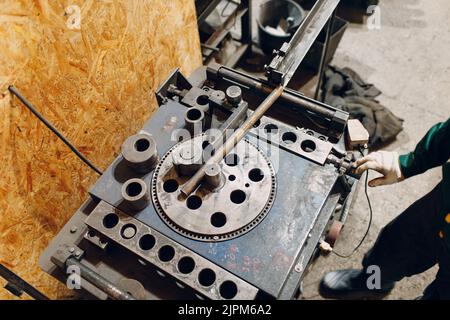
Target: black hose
{"type": "Point", "coordinates": [370, 221]}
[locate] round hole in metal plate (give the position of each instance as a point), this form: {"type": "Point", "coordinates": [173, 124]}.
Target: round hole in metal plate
{"type": "Point", "coordinates": [271, 128]}
{"type": "Point", "coordinates": [238, 196]}
{"type": "Point", "coordinates": [186, 265]}
{"type": "Point", "coordinates": [128, 231]}
{"type": "Point", "coordinates": [206, 277]}
{"type": "Point", "coordinates": [228, 289]}
{"type": "Point", "coordinates": [170, 185]}
{"type": "Point", "coordinates": [203, 100]}
{"type": "Point", "coordinates": [289, 137]}
{"type": "Point", "coordinates": [256, 175]}
{"type": "Point", "coordinates": [147, 242]}
{"type": "Point", "coordinates": [308, 146]}
{"type": "Point", "coordinates": [141, 145]}
{"type": "Point", "coordinates": [194, 202]}
{"type": "Point", "coordinates": [218, 219]}
{"type": "Point", "coordinates": [134, 189]}
{"type": "Point", "coordinates": [194, 114]}
{"type": "Point", "coordinates": [166, 253]}
{"type": "Point", "coordinates": [110, 220]}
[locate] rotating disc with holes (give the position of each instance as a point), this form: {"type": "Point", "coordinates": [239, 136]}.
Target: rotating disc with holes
{"type": "Point", "coordinates": [239, 204]}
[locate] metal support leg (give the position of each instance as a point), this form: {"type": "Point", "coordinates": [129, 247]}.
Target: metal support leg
{"type": "Point", "coordinates": [246, 24]}
{"type": "Point", "coordinates": [324, 56]}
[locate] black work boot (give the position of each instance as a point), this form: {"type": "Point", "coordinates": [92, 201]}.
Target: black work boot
{"type": "Point", "coordinates": [350, 284]}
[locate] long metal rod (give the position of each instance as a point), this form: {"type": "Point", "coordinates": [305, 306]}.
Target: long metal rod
{"type": "Point", "coordinates": [97, 280]}
{"type": "Point", "coordinates": [18, 283]}
{"type": "Point", "coordinates": [323, 58]}
{"type": "Point", "coordinates": [283, 66]}
{"type": "Point", "coordinates": [305, 102]}
{"type": "Point", "coordinates": [233, 140]}
{"type": "Point", "coordinates": [33, 110]}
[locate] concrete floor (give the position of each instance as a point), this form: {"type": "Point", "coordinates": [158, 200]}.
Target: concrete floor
{"type": "Point", "coordinates": [408, 60]}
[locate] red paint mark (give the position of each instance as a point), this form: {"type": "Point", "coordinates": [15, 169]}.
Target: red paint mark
{"type": "Point", "coordinates": [256, 264]}
{"type": "Point", "coordinates": [280, 259]}
{"type": "Point", "coordinates": [246, 264]}
{"type": "Point", "coordinates": [234, 248]}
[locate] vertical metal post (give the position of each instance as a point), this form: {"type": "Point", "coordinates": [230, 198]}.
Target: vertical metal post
{"type": "Point", "coordinates": [324, 56]}
{"type": "Point", "coordinates": [246, 24]}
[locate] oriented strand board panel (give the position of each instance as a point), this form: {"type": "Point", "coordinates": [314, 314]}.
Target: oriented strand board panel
{"type": "Point", "coordinates": [91, 67]}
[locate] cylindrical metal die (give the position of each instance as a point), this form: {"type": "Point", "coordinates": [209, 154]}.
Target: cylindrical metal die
{"type": "Point", "coordinates": [213, 175]}
{"type": "Point", "coordinates": [194, 119]}
{"type": "Point", "coordinates": [140, 153]}
{"type": "Point", "coordinates": [135, 195]}
{"type": "Point", "coordinates": [187, 159]}
{"type": "Point", "coordinates": [234, 95]}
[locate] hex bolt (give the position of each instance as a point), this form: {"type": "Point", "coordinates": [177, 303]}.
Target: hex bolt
{"type": "Point", "coordinates": [135, 195]}
{"type": "Point", "coordinates": [71, 249]}
{"type": "Point", "coordinates": [234, 95]}
{"type": "Point", "coordinates": [73, 229]}
{"type": "Point", "coordinates": [140, 153]}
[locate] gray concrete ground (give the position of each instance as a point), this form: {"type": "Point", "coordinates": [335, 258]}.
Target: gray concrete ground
{"type": "Point", "coordinates": [408, 59]}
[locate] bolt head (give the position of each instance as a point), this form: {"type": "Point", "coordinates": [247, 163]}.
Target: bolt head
{"type": "Point", "coordinates": [234, 95]}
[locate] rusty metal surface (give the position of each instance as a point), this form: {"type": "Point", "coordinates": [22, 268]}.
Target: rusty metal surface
{"type": "Point", "coordinates": [295, 140]}
{"type": "Point", "coordinates": [166, 254]}
{"type": "Point", "coordinates": [231, 141]}
{"type": "Point", "coordinates": [265, 256]}
{"type": "Point", "coordinates": [198, 223]}
{"type": "Point", "coordinates": [271, 257]}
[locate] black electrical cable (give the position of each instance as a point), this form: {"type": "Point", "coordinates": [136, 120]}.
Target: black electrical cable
{"type": "Point", "coordinates": [369, 225]}
{"type": "Point", "coordinates": [14, 91]}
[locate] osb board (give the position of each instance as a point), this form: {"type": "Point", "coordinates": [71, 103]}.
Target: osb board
{"type": "Point", "coordinates": [94, 81]}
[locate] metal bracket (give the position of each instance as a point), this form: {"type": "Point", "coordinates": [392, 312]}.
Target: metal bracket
{"type": "Point", "coordinates": [288, 58]}
{"type": "Point", "coordinates": [164, 253]}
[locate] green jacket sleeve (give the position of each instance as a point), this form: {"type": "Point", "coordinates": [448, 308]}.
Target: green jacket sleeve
{"type": "Point", "coordinates": [432, 151]}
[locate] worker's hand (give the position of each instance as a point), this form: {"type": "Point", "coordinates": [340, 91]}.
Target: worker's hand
{"type": "Point", "coordinates": [384, 162]}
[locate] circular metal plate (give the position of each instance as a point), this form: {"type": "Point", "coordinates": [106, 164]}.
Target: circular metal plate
{"type": "Point", "coordinates": [240, 202]}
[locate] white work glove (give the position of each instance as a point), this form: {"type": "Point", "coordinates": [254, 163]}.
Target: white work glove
{"type": "Point", "coordinates": [385, 162]}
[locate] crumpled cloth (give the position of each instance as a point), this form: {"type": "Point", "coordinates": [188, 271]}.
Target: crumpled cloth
{"type": "Point", "coordinates": [345, 89]}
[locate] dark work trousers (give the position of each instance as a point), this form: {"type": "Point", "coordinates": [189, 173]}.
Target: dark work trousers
{"type": "Point", "coordinates": [411, 244]}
